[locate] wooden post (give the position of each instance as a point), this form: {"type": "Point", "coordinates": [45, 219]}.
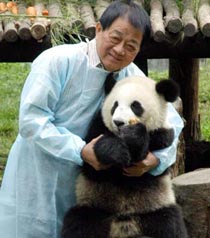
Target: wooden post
{"type": "Point", "coordinates": [185, 71]}
{"type": "Point", "coordinates": [142, 64]}
{"type": "Point", "coordinates": [179, 166]}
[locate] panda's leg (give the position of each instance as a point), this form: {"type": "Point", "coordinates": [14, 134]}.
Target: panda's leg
{"type": "Point", "coordinates": [85, 222]}
{"type": "Point", "coordinates": [164, 223]}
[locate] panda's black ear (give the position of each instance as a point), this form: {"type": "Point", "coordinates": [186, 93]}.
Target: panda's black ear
{"type": "Point", "coordinates": [169, 89]}
{"type": "Point", "coordinates": [109, 83]}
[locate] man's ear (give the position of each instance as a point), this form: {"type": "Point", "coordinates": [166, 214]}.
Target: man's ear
{"type": "Point", "coordinates": [98, 27]}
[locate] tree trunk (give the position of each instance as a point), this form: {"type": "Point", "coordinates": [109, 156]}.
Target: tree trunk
{"type": "Point", "coordinates": [186, 72]}
{"type": "Point", "coordinates": [192, 192]}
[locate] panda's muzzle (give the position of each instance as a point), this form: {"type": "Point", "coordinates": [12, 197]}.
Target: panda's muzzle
{"type": "Point", "coordinates": [119, 123]}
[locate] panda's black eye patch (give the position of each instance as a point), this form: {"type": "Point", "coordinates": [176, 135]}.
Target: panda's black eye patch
{"type": "Point", "coordinates": [137, 108]}
{"type": "Point", "coordinates": [114, 107]}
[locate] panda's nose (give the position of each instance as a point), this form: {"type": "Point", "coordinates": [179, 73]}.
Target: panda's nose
{"type": "Point", "coordinates": [118, 123]}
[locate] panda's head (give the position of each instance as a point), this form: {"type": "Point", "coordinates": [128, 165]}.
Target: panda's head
{"type": "Point", "coordinates": [138, 99]}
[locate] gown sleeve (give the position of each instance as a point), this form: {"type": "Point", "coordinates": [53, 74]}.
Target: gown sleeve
{"type": "Point", "coordinates": [39, 100]}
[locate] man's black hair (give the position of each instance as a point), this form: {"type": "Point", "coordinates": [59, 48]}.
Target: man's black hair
{"type": "Point", "coordinates": [136, 15]}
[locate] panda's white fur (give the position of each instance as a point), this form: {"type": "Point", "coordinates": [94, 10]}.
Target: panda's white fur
{"type": "Point", "coordinates": [143, 90]}
{"type": "Point", "coordinates": [111, 205]}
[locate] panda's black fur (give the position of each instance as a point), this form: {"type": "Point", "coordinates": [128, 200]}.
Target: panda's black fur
{"type": "Point", "coordinates": [112, 205]}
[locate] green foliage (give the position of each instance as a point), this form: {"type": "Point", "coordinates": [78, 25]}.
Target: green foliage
{"type": "Point", "coordinates": [12, 77]}
{"type": "Point", "coordinates": [204, 99]}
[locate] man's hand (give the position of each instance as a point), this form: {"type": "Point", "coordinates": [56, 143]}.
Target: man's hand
{"type": "Point", "coordinates": [88, 155]}
{"type": "Point", "coordinates": [141, 167]}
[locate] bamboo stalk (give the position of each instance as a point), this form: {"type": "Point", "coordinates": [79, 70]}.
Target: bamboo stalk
{"type": "Point", "coordinates": [156, 18]}
{"type": "Point", "coordinates": [88, 18]}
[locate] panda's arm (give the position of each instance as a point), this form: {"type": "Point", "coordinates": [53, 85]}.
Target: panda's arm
{"type": "Point", "coordinates": [167, 156]}
{"type": "Point", "coordinates": [161, 138]}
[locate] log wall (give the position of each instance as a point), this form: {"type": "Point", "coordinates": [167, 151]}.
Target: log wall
{"type": "Point", "coordinates": [169, 23]}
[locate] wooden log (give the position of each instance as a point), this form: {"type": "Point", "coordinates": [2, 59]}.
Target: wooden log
{"type": "Point", "coordinates": [24, 24]}
{"type": "Point", "coordinates": [139, 2]}
{"type": "Point", "coordinates": [156, 18]}
{"type": "Point", "coordinates": [186, 72]}
{"type": "Point", "coordinates": [88, 19]}
{"type": "Point", "coordinates": [100, 6]}
{"type": "Point", "coordinates": [192, 192]}
{"type": "Point", "coordinates": [172, 19]}
{"type": "Point", "coordinates": [39, 27]}
{"type": "Point", "coordinates": [10, 32]}
{"type": "Point", "coordinates": [204, 17]}
{"type": "Point", "coordinates": [73, 14]}
{"type": "Point", "coordinates": [55, 11]}
{"type": "Point", "coordinates": [57, 27]}
{"type": "Point", "coordinates": [189, 22]}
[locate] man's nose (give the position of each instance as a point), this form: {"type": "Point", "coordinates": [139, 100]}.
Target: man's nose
{"type": "Point", "coordinates": [119, 48]}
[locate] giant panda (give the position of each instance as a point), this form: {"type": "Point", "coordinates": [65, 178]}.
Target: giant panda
{"type": "Point", "coordinates": [110, 204]}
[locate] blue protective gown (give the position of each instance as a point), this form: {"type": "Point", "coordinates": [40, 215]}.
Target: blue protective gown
{"type": "Point", "coordinates": [59, 98]}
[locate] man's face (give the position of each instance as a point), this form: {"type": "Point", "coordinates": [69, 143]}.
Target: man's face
{"type": "Point", "coordinates": [118, 45]}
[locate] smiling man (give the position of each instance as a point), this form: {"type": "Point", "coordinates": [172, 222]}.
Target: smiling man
{"type": "Point", "coordinates": [63, 91]}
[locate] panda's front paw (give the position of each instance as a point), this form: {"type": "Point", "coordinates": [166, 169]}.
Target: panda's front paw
{"type": "Point", "coordinates": [137, 140]}
{"type": "Point", "coordinates": [111, 150]}
{"type": "Point", "coordinates": [134, 135]}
